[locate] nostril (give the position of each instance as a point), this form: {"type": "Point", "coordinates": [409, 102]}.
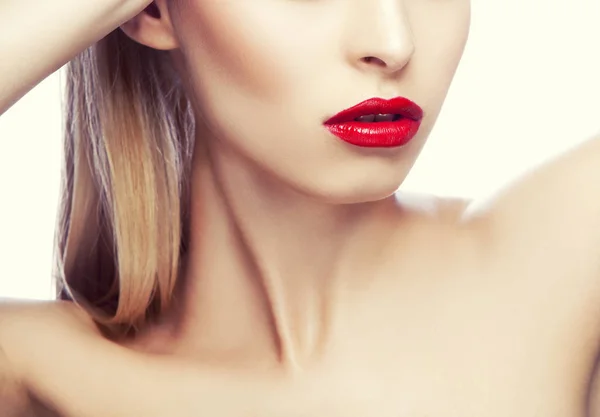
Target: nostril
{"type": "Point", "coordinates": [370, 59]}
{"type": "Point", "coordinates": [153, 11]}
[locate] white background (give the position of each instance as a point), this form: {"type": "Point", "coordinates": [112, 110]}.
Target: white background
{"type": "Point", "coordinates": [528, 87]}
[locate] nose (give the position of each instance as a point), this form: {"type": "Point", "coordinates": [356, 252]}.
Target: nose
{"type": "Point", "coordinates": [379, 36]}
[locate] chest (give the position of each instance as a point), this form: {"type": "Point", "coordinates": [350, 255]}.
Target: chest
{"type": "Point", "coordinates": [439, 368]}
{"type": "Point", "coordinates": [415, 391]}
{"type": "Point", "coordinates": [481, 353]}
{"type": "Point", "coordinates": [491, 386]}
{"type": "Point", "coordinates": [485, 354]}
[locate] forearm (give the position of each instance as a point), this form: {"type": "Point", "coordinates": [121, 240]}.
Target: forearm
{"type": "Point", "coordinates": [37, 37]}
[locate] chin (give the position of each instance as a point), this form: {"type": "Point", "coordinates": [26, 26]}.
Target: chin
{"type": "Point", "coordinates": [367, 180]}
{"type": "Point", "coordinates": [354, 189]}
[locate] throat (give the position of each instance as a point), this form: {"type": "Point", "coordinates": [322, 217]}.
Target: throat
{"type": "Point", "coordinates": [239, 310]}
{"type": "Point", "coordinates": [302, 322]}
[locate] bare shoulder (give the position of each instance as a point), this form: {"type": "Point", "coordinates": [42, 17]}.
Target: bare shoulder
{"type": "Point", "coordinates": [566, 185]}
{"type": "Point", "coordinates": [553, 215]}
{"type": "Point", "coordinates": [43, 316]}
{"type": "Point", "coordinates": [543, 232]}
{"type": "Point", "coordinates": [27, 327]}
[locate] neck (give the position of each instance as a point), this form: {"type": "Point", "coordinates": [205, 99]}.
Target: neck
{"type": "Point", "coordinates": [267, 264]}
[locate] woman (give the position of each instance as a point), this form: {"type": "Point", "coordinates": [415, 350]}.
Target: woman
{"type": "Point", "coordinates": [230, 241]}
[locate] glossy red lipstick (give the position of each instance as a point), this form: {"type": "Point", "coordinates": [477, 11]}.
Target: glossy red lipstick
{"type": "Point", "coordinates": [377, 123]}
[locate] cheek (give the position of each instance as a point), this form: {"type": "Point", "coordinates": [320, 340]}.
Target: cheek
{"type": "Point", "coordinates": [226, 51]}
{"type": "Point", "coordinates": [245, 76]}
{"type": "Point", "coordinates": [441, 34]}
{"type": "Point", "coordinates": [442, 37]}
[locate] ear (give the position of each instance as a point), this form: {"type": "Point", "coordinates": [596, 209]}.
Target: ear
{"type": "Point", "coordinates": [152, 27]}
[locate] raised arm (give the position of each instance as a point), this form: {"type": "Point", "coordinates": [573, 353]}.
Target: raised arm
{"type": "Point", "coordinates": [38, 37]}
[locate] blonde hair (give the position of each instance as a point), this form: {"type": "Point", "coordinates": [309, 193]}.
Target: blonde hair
{"type": "Point", "coordinates": [121, 228]}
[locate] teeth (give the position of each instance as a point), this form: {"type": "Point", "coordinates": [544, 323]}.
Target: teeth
{"type": "Point", "coordinates": [377, 118]}
{"type": "Point", "coordinates": [366, 119]}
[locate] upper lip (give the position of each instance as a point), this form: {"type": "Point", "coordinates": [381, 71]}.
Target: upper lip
{"type": "Point", "coordinates": [398, 105]}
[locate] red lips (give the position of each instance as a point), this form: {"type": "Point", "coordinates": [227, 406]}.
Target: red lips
{"type": "Point", "coordinates": [382, 132]}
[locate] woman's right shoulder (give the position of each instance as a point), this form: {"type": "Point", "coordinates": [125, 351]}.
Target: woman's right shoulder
{"type": "Point", "coordinates": [29, 331]}
{"type": "Point", "coordinates": [17, 316]}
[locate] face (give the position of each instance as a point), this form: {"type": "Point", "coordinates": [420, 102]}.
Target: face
{"type": "Point", "coordinates": [266, 74]}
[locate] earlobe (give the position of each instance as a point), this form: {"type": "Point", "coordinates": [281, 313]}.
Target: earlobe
{"type": "Point", "coordinates": [152, 28]}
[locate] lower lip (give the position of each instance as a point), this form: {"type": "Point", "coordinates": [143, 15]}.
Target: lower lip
{"type": "Point", "coordinates": [376, 134]}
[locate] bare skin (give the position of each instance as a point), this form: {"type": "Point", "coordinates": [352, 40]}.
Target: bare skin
{"type": "Point", "coordinates": [342, 301]}
{"type": "Point", "coordinates": [474, 331]}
